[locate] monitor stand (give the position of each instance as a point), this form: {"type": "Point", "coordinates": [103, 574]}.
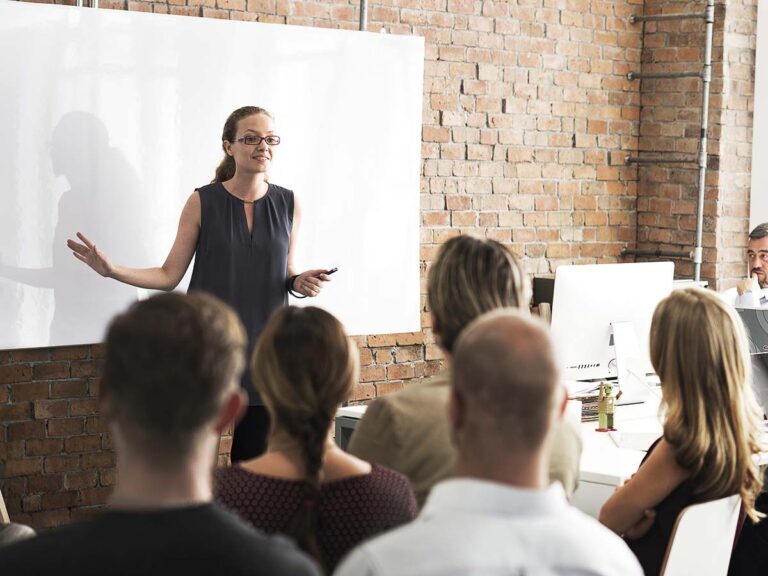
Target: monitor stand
{"type": "Point", "coordinates": [629, 365]}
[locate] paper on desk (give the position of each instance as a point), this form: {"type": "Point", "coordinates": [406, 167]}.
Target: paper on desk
{"type": "Point", "coordinates": [578, 388]}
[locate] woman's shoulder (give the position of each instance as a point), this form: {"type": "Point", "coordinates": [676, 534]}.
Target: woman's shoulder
{"type": "Point", "coordinates": [379, 482]}
{"type": "Point", "coordinates": [231, 481]}
{"type": "Point", "coordinates": [280, 190]}
{"type": "Point", "coordinates": [212, 188]}
{"type": "Point", "coordinates": [387, 491]}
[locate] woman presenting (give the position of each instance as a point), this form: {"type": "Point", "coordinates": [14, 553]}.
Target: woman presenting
{"type": "Point", "coordinates": [243, 230]}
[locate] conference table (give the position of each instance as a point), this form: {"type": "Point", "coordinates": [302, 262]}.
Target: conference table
{"type": "Point", "coordinates": [607, 459]}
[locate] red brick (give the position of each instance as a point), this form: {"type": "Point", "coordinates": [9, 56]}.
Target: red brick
{"type": "Point", "coordinates": [69, 389]}
{"type": "Point", "coordinates": [70, 353]}
{"type": "Point", "coordinates": [83, 407]}
{"type": "Point", "coordinates": [31, 355]}
{"type": "Point", "coordinates": [82, 444]}
{"type": "Point", "coordinates": [51, 409]}
{"type": "Point", "coordinates": [108, 477]}
{"type": "Point", "coordinates": [33, 391]}
{"type": "Point", "coordinates": [65, 427]}
{"type": "Point", "coordinates": [13, 373]}
{"type": "Point", "coordinates": [51, 371]}
{"type": "Point", "coordinates": [44, 447]}
{"type": "Point", "coordinates": [99, 460]}
{"type": "Point", "coordinates": [59, 500]}
{"type": "Point", "coordinates": [409, 354]}
{"type": "Point", "coordinates": [86, 368]}
{"type": "Point", "coordinates": [55, 464]}
{"type": "Point", "coordinates": [94, 496]}
{"type": "Point", "coordinates": [12, 450]}
{"type": "Point", "coordinates": [26, 467]}
{"type": "Point", "coordinates": [25, 430]}
{"type": "Point", "coordinates": [16, 412]}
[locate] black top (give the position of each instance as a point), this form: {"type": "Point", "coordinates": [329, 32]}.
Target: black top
{"type": "Point", "coordinates": [246, 270]}
{"type": "Point", "coordinates": [651, 548]}
{"type": "Point", "coordinates": [349, 510]}
{"type": "Point", "coordinates": [202, 540]}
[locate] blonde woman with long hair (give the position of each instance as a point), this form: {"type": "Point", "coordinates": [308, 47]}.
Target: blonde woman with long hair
{"type": "Point", "coordinates": [304, 367]}
{"type": "Point", "coordinates": [712, 425]}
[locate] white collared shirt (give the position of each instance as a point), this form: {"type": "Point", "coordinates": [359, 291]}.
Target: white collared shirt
{"type": "Point", "coordinates": [478, 527]}
{"type": "Point", "coordinates": [746, 300]}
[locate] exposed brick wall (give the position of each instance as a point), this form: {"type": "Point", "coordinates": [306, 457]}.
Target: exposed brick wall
{"type": "Point", "coordinates": [527, 118]}
{"type": "Point", "coordinates": [56, 459]}
{"type": "Point", "coordinates": [670, 123]}
{"type": "Point", "coordinates": [739, 29]}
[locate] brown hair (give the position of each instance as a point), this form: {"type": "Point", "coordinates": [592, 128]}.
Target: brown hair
{"type": "Point", "coordinates": [699, 350]}
{"type": "Point", "coordinates": [170, 361]}
{"type": "Point", "coordinates": [760, 231]}
{"type": "Point", "coordinates": [471, 276]}
{"type": "Point", "coordinates": [505, 369]}
{"type": "Point", "coordinates": [226, 169]}
{"type": "Point", "coordinates": [304, 366]}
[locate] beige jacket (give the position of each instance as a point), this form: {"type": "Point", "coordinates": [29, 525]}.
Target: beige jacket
{"type": "Point", "coordinates": [409, 432]}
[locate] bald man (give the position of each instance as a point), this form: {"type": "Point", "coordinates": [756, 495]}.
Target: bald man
{"type": "Point", "coordinates": [752, 291]}
{"type": "Point", "coordinates": [498, 515]}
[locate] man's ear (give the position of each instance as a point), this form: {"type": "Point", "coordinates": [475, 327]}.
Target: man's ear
{"type": "Point", "coordinates": [232, 410]}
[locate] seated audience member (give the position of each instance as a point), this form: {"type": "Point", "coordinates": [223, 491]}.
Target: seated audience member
{"type": "Point", "coordinates": [304, 367]}
{"type": "Point", "coordinates": [699, 350]}
{"type": "Point", "coordinates": [408, 430]}
{"type": "Point", "coordinates": [752, 292]}
{"type": "Point", "coordinates": [497, 515]}
{"type": "Point", "coordinates": [170, 386]}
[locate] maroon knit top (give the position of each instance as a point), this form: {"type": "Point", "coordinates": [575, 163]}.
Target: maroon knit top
{"type": "Point", "coordinates": [350, 510]}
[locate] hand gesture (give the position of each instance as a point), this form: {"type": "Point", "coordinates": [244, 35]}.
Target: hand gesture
{"type": "Point", "coordinates": [748, 285]}
{"type": "Point", "coordinates": [310, 283]}
{"type": "Point", "coordinates": [88, 253]}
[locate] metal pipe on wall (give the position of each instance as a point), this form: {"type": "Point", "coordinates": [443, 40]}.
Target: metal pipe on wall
{"type": "Point", "coordinates": [363, 15]}
{"type": "Point", "coordinates": [706, 77]}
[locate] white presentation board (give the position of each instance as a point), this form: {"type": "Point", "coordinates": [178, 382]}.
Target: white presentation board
{"type": "Point", "coordinates": [758, 211]}
{"type": "Point", "coordinates": [110, 119]}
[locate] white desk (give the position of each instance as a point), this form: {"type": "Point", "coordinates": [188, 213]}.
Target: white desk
{"type": "Point", "coordinates": [604, 465]}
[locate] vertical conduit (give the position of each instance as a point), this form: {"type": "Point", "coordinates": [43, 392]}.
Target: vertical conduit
{"type": "Point", "coordinates": [363, 15]}
{"type": "Point", "coordinates": [706, 77]}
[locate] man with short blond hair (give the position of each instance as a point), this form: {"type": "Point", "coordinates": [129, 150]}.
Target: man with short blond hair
{"type": "Point", "coordinates": [408, 430]}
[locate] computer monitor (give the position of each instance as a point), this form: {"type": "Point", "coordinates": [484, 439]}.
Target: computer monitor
{"type": "Point", "coordinates": [597, 306]}
{"type": "Point", "coordinates": [756, 323]}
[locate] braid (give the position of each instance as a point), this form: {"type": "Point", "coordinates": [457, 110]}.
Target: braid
{"type": "Point", "coordinates": [305, 365]}
{"type": "Point", "coordinates": [311, 433]}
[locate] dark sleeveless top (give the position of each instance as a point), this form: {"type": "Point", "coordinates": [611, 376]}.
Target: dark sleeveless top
{"type": "Point", "coordinates": [651, 548]}
{"type": "Point", "coordinates": [246, 270]}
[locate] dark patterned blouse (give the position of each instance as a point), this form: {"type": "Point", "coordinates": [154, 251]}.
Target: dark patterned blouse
{"type": "Point", "coordinates": [350, 510]}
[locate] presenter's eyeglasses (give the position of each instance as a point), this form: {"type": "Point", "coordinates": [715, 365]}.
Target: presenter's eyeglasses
{"type": "Point", "coordinates": [271, 140]}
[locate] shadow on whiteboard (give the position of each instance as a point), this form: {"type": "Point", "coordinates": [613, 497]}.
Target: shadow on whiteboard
{"type": "Point", "coordinates": [103, 200]}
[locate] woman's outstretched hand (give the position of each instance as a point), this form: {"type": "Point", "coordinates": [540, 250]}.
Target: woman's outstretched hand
{"type": "Point", "coordinates": [310, 283]}
{"type": "Point", "coordinates": [88, 253]}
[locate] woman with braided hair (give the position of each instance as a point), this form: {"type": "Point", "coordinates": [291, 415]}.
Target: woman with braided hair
{"type": "Point", "coordinates": [304, 367]}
